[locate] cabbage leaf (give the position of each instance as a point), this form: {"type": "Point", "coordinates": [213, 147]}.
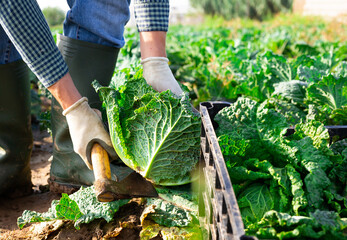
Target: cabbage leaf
{"type": "Point", "coordinates": [155, 134]}
{"type": "Point", "coordinates": [80, 207]}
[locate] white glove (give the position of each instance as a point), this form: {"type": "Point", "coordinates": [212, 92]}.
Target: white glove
{"type": "Point", "coordinates": [86, 128]}
{"type": "Point", "coordinates": [158, 74]}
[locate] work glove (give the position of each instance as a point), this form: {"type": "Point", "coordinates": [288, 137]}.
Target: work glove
{"type": "Point", "coordinates": [86, 128]}
{"type": "Point", "coordinates": [157, 73]}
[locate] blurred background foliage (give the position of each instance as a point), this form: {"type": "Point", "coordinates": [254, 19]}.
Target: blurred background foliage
{"type": "Point", "coordinates": [253, 9]}
{"type": "Point", "coordinates": [54, 16]}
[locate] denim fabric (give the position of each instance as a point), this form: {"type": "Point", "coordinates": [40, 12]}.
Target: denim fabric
{"type": "Point", "coordinates": [8, 52]}
{"type": "Point", "coordinates": [97, 21]}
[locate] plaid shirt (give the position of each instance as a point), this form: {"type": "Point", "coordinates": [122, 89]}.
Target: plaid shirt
{"type": "Point", "coordinates": [152, 15]}
{"type": "Point", "coordinates": [25, 25]}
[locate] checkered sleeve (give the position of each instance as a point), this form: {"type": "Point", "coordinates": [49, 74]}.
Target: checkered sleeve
{"type": "Point", "coordinates": [27, 28]}
{"type": "Point", "coordinates": [152, 15]}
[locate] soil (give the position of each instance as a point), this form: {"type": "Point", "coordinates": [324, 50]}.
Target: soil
{"type": "Point", "coordinates": [126, 223]}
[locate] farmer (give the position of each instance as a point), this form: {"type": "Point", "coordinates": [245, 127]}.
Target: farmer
{"type": "Point", "coordinates": [93, 35]}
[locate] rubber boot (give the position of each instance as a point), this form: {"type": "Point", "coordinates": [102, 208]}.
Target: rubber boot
{"type": "Point", "coordinates": [16, 140]}
{"type": "Point", "coordinates": [87, 62]}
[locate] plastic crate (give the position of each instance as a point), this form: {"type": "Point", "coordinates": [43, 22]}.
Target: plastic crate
{"type": "Point", "coordinates": [218, 209]}
{"type": "Point", "coordinates": [335, 132]}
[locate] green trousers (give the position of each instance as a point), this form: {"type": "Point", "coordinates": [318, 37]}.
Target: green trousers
{"type": "Point", "coordinates": [16, 139]}
{"type": "Point", "coordinates": [87, 62]}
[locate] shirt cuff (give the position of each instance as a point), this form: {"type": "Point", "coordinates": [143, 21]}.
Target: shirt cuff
{"type": "Point", "coordinates": [49, 68]}
{"type": "Point", "coordinates": [152, 15]}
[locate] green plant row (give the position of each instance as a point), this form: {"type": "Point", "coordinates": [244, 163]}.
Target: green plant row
{"type": "Point", "coordinates": [259, 64]}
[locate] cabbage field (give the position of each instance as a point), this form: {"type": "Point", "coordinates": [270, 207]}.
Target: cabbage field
{"type": "Point", "coordinates": [288, 72]}
{"type": "Point", "coordinates": [291, 66]}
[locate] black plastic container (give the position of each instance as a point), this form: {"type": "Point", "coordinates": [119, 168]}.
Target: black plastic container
{"type": "Point", "coordinates": [218, 209]}
{"type": "Point", "coordinates": [335, 132]}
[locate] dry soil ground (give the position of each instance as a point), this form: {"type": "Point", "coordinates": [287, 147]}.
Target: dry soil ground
{"type": "Point", "coordinates": [125, 226]}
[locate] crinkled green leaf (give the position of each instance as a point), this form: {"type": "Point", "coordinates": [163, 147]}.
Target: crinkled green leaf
{"type": "Point", "coordinates": [299, 200]}
{"type": "Point", "coordinates": [241, 174]}
{"type": "Point", "coordinates": [80, 207]}
{"type": "Point", "coordinates": [246, 119]}
{"type": "Point", "coordinates": [309, 156]}
{"type": "Point", "coordinates": [340, 115]}
{"type": "Point", "coordinates": [339, 147]}
{"type": "Point", "coordinates": [91, 208]}
{"type": "Point", "coordinates": [316, 182]}
{"type": "Point", "coordinates": [166, 214]}
{"type": "Point", "coordinates": [252, 169]}
{"type": "Point", "coordinates": [319, 225]}
{"type": "Point", "coordinates": [329, 98]}
{"type": "Point", "coordinates": [310, 74]}
{"type": "Point", "coordinates": [67, 209]}
{"type": "Point", "coordinates": [156, 134]}
{"type": "Point", "coordinates": [294, 113]}
{"type": "Point", "coordinates": [181, 196]}
{"type": "Point", "coordinates": [316, 163]}
{"type": "Point", "coordinates": [254, 201]}
{"type": "Point", "coordinates": [315, 130]}
{"type": "Point", "coordinates": [280, 176]}
{"type": "Point", "coordinates": [174, 208]}
{"type": "Point", "coordinates": [341, 70]}
{"type": "Point", "coordinates": [233, 147]}
{"type": "Point", "coordinates": [238, 120]}
{"type": "Point", "coordinates": [236, 151]}
{"type": "Point", "coordinates": [174, 215]}
{"type": "Point", "coordinates": [340, 171]}
{"type": "Point", "coordinates": [305, 49]}
{"type": "Point", "coordinates": [294, 90]}
{"type": "Point", "coordinates": [328, 91]}
{"type": "Point", "coordinates": [338, 174]}
{"type": "Point", "coordinates": [151, 230]}
{"type": "Point", "coordinates": [33, 216]}
{"type": "Point", "coordinates": [257, 165]}
{"type": "Point", "coordinates": [277, 67]}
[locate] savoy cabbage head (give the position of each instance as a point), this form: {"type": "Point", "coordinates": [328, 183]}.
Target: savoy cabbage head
{"type": "Point", "coordinates": [155, 134]}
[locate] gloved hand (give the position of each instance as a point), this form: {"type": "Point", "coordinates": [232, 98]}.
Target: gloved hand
{"type": "Point", "coordinates": [157, 73]}
{"type": "Point", "coordinates": [86, 128]}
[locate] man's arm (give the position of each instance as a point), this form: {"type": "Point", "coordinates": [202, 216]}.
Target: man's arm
{"type": "Point", "coordinates": [152, 19]}
{"type": "Point", "coordinates": [27, 28]}
{"type": "Point", "coordinates": [153, 44]}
